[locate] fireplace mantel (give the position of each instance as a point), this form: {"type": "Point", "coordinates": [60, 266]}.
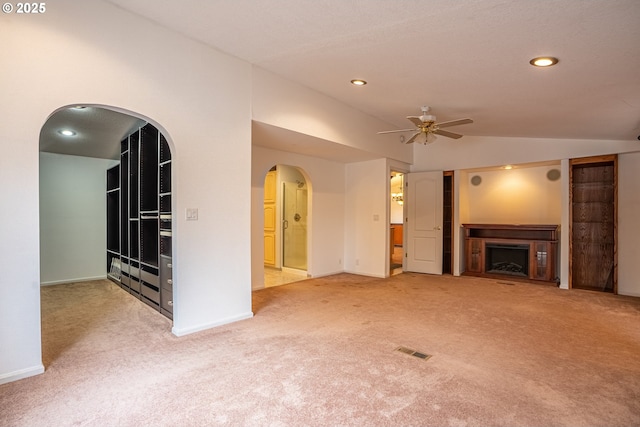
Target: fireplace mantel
{"type": "Point", "coordinates": [540, 240]}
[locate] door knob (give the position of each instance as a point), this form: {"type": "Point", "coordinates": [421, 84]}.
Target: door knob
{"type": "Point", "coordinates": [437, 227]}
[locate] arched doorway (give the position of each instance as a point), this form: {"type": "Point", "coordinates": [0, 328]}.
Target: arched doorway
{"type": "Point", "coordinates": [286, 201]}
{"type": "Point", "coordinates": [82, 148]}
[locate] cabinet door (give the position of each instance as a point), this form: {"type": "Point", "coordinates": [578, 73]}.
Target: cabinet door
{"type": "Point", "coordinates": [270, 187]}
{"type": "Point", "coordinates": [474, 255]}
{"type": "Point", "coordinates": [269, 249]}
{"type": "Point", "coordinates": [542, 257]}
{"type": "Point", "coordinates": [270, 196]}
{"type": "Point", "coordinates": [397, 234]}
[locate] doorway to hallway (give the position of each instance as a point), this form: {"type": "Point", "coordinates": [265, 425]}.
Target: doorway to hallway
{"type": "Point", "coordinates": [430, 240]}
{"type": "Point", "coordinates": [396, 219]}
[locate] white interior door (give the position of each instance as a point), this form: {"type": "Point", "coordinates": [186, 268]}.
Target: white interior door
{"type": "Point", "coordinates": [423, 202]}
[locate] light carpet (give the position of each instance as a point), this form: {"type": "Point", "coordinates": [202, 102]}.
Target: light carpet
{"type": "Point", "coordinates": [322, 352]}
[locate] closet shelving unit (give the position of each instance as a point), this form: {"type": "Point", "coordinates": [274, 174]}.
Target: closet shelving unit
{"type": "Point", "coordinates": [143, 218]}
{"type": "Point", "coordinates": [113, 226]}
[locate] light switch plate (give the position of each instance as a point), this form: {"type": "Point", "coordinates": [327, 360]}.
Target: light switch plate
{"type": "Point", "coordinates": [192, 214]}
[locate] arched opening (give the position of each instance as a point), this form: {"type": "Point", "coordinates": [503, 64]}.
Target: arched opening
{"type": "Point", "coordinates": [105, 203]}
{"type": "Point", "coordinates": [286, 222]}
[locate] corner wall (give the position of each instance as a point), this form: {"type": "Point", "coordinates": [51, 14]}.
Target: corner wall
{"type": "Point", "coordinates": [367, 221]}
{"type": "Point", "coordinates": [198, 97]}
{"type": "Point", "coordinates": [325, 217]}
{"type": "Point", "coordinates": [628, 224]}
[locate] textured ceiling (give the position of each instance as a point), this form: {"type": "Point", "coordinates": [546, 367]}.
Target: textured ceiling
{"type": "Point", "coordinates": [464, 58]}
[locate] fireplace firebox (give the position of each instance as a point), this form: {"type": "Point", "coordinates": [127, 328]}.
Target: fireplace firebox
{"type": "Point", "coordinates": [525, 252]}
{"type": "Point", "coordinates": [503, 258]}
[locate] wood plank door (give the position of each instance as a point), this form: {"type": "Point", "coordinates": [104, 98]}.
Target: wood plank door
{"type": "Point", "coordinates": [424, 222]}
{"type": "Point", "coordinates": [593, 224]}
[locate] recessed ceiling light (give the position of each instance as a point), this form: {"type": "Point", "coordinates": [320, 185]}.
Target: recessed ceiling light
{"type": "Point", "coordinates": [508, 167]}
{"type": "Point", "coordinates": [358, 82]}
{"type": "Point", "coordinates": [66, 132]}
{"type": "Point", "coordinates": [544, 61]}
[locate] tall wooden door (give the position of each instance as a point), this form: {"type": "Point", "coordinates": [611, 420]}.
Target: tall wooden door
{"type": "Point", "coordinates": [270, 188]}
{"type": "Point", "coordinates": [424, 222]}
{"type": "Point", "coordinates": [593, 223]}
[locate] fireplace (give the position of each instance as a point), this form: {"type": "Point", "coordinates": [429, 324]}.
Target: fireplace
{"type": "Point", "coordinates": [510, 259]}
{"type": "Point", "coordinates": [517, 251]}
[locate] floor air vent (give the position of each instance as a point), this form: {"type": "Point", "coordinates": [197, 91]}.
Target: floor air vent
{"type": "Point", "coordinates": [506, 283]}
{"type": "Point", "coordinates": [413, 353]}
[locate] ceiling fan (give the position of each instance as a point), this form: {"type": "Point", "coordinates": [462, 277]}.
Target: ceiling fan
{"type": "Point", "coordinates": [426, 124]}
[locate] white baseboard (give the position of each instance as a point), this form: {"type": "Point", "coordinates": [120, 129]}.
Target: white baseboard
{"type": "Point", "coordinates": [179, 332]}
{"type": "Point", "coordinates": [328, 273]}
{"type": "Point", "coordinates": [21, 374]}
{"type": "Point", "coordinates": [360, 273]}
{"type": "Point", "coordinates": [626, 293]}
{"type": "Point", "coordinates": [79, 279]}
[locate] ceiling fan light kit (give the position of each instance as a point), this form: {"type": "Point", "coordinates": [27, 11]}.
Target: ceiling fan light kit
{"type": "Point", "coordinates": [426, 125]}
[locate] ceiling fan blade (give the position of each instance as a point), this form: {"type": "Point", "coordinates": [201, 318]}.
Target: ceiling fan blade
{"type": "Point", "coordinates": [394, 131]}
{"type": "Point", "coordinates": [415, 120]}
{"type": "Point", "coordinates": [413, 138]}
{"type": "Point", "coordinates": [448, 134]}
{"type": "Point", "coordinates": [454, 123]}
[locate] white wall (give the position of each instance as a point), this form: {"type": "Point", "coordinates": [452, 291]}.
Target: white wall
{"type": "Point", "coordinates": [628, 224]}
{"type": "Point", "coordinates": [95, 53]}
{"type": "Point", "coordinates": [288, 105]}
{"type": "Point", "coordinates": [522, 195]}
{"type": "Point", "coordinates": [72, 218]}
{"type": "Point", "coordinates": [326, 181]}
{"type": "Point", "coordinates": [367, 220]}
{"type": "Point", "coordinates": [483, 151]}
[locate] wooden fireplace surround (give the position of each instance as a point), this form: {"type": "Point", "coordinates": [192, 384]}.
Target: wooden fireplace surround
{"type": "Point", "coordinates": [542, 241]}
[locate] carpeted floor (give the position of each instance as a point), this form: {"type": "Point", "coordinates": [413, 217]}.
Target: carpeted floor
{"type": "Point", "coordinates": [322, 352]}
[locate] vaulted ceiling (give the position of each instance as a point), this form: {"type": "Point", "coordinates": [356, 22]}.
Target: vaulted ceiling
{"type": "Point", "coordinates": [466, 58]}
